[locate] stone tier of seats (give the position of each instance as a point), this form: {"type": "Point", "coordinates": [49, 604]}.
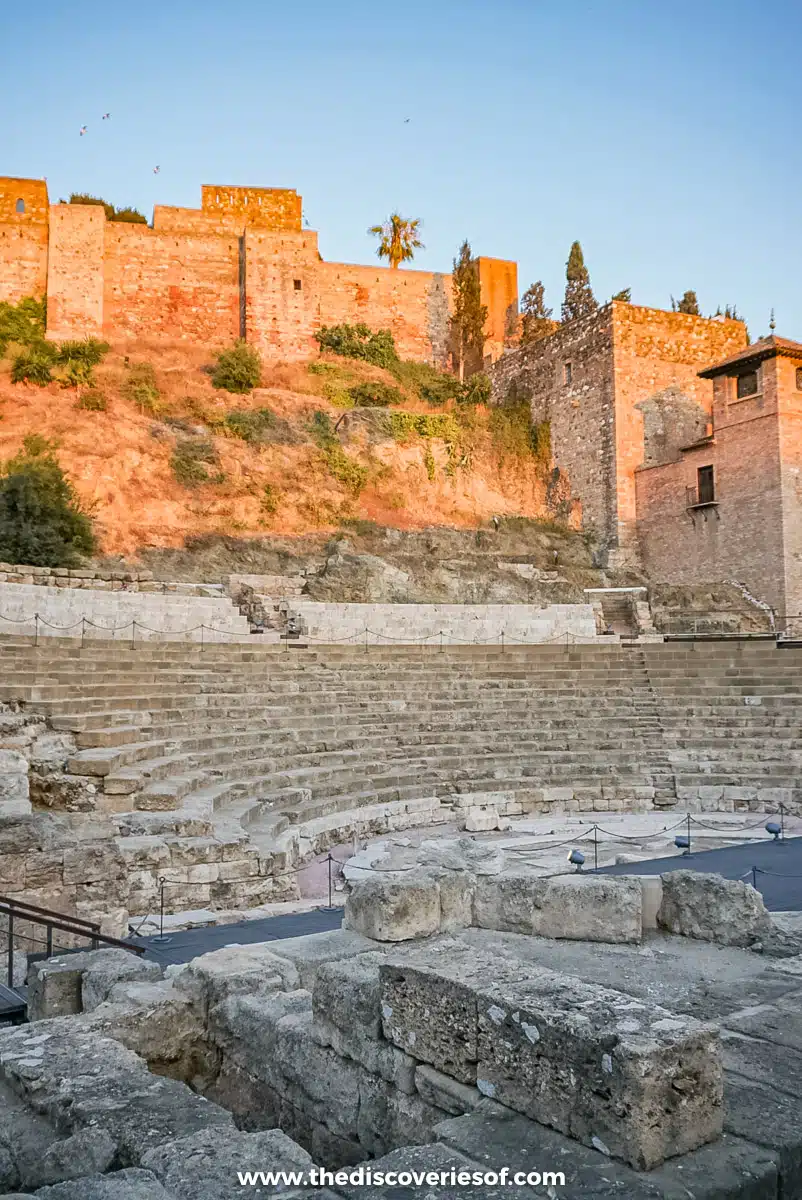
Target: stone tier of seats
{"type": "Point", "coordinates": [301, 748]}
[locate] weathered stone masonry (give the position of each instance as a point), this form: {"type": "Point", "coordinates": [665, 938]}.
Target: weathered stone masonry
{"type": "Point", "coordinates": [240, 266]}
{"type": "Point", "coordinates": [597, 381]}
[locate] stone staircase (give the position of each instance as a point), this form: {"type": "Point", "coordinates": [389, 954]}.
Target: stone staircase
{"type": "Point", "coordinates": [300, 748]}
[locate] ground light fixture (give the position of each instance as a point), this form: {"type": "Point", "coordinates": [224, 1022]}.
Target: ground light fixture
{"type": "Point", "coordinates": [683, 843]}
{"type": "Point", "coordinates": [775, 829]}
{"type": "Point", "coordinates": [577, 859]}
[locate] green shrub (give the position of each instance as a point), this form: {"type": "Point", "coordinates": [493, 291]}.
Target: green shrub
{"type": "Point", "coordinates": [430, 385]}
{"type": "Point", "coordinates": [92, 401]}
{"type": "Point", "coordinates": [322, 368]}
{"type": "Point", "coordinates": [346, 470]}
{"type": "Point", "coordinates": [259, 427]}
{"type": "Point", "coordinates": [375, 394]}
{"type": "Point", "coordinates": [338, 395]}
{"type": "Point", "coordinates": [34, 365]}
{"type": "Point", "coordinates": [477, 390]}
{"type": "Point", "coordinates": [404, 425]}
{"type": "Point", "coordinates": [428, 462]}
{"type": "Point", "coordinates": [112, 214]}
{"type": "Point", "coordinates": [22, 323]}
{"type": "Point", "coordinates": [76, 374]}
{"type": "Point", "coordinates": [141, 388]}
{"type": "Point", "coordinates": [269, 503]}
{"type": "Point", "coordinates": [359, 341]}
{"type": "Point", "coordinates": [238, 369]}
{"type": "Point", "coordinates": [42, 521]}
{"type": "Point", "coordinates": [190, 459]}
{"type": "Point", "coordinates": [515, 437]}
{"type": "Point", "coordinates": [89, 350]}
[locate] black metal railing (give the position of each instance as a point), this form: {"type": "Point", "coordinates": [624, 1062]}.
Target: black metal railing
{"type": "Point", "coordinates": [19, 915]}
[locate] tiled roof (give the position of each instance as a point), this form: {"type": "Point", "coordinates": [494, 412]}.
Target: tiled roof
{"type": "Point", "coordinates": [771, 347]}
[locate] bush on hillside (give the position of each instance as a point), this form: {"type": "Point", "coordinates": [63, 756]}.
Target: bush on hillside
{"type": "Point", "coordinates": [346, 470]}
{"type": "Point", "coordinates": [190, 459]}
{"type": "Point", "coordinates": [476, 390]}
{"type": "Point", "coordinates": [516, 437]}
{"type": "Point", "coordinates": [374, 393]}
{"type": "Point", "coordinates": [92, 401]}
{"type": "Point", "coordinates": [359, 341]}
{"type": "Point", "coordinates": [22, 323]}
{"type": "Point", "coordinates": [41, 519]}
{"type": "Point", "coordinates": [89, 350]}
{"type": "Point", "coordinates": [34, 365]}
{"type": "Point", "coordinates": [430, 385]}
{"type": "Point", "coordinates": [141, 388]}
{"type": "Point", "coordinates": [259, 427]}
{"type": "Point", "coordinates": [238, 369]}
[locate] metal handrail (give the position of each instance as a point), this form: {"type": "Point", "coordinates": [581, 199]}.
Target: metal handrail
{"type": "Point", "coordinates": [50, 920]}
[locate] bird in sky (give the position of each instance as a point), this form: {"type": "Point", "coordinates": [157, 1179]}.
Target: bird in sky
{"type": "Point", "coordinates": [106, 116]}
{"type": "Point", "coordinates": [407, 120]}
{"type": "Point", "coordinates": [156, 170]}
{"type": "Point", "coordinates": [83, 130]}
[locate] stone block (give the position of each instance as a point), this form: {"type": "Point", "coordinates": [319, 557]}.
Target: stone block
{"type": "Point", "coordinates": [54, 990]}
{"type": "Point", "coordinates": [14, 792]}
{"type": "Point", "coordinates": [204, 1165]}
{"type": "Point", "coordinates": [394, 910]}
{"type": "Point", "coordinates": [712, 909]}
{"type": "Point", "coordinates": [444, 1092]}
{"type": "Point", "coordinates": [130, 1184]}
{"type": "Point", "coordinates": [236, 970]}
{"type": "Point", "coordinates": [309, 952]}
{"type": "Point", "coordinates": [610, 1071]}
{"type": "Point", "coordinates": [625, 1077]}
{"type": "Point", "coordinates": [583, 907]}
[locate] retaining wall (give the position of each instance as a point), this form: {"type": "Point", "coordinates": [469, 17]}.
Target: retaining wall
{"type": "Point", "coordinates": [458, 623]}
{"type": "Point", "coordinates": [83, 612]}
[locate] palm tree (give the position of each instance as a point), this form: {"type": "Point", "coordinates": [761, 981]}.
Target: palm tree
{"type": "Point", "coordinates": [398, 239]}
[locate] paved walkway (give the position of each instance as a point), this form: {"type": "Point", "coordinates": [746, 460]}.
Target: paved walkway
{"type": "Point", "coordinates": [778, 876]}
{"type": "Point", "coordinates": [187, 944]}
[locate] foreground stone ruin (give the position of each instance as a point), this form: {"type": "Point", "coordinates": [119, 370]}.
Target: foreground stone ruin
{"type": "Point", "coordinates": [647, 1065]}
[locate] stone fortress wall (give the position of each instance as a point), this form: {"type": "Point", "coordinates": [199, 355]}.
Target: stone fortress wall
{"type": "Point", "coordinates": [605, 383]}
{"type": "Point", "coordinates": [242, 265]}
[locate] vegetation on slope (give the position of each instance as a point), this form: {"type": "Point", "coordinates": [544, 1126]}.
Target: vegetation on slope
{"type": "Point", "coordinates": [159, 453]}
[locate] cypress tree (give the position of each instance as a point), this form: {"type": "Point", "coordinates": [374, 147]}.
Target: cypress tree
{"type": "Point", "coordinates": [579, 299]}
{"type": "Point", "coordinates": [469, 315]}
{"type": "Point", "coordinates": [536, 322]}
{"type": "Point", "coordinates": [688, 304]}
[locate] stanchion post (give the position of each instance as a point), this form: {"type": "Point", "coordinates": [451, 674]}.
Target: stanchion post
{"type": "Point", "coordinates": [83, 631]}
{"type": "Point", "coordinates": [133, 634]}
{"type": "Point", "coordinates": [36, 629]}
{"type": "Point", "coordinates": [11, 949]}
{"type": "Point", "coordinates": [754, 878]}
{"type": "Point", "coordinates": [161, 938]}
{"type": "Point", "coordinates": [595, 847]}
{"type": "Point", "coordinates": [329, 861]}
{"type": "Point", "coordinates": [201, 635]}
{"type": "Point", "coordinates": [502, 641]}
{"type": "Point", "coordinates": [782, 822]}
{"type": "Point", "coordinates": [689, 831]}
{"type": "Point", "coordinates": [441, 641]}
{"type": "Point", "coordinates": [366, 639]}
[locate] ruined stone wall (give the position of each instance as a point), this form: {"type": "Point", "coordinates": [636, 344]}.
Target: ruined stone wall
{"type": "Point", "coordinates": [159, 284]}
{"type": "Point", "coordinates": [654, 350]}
{"type": "Point", "coordinates": [240, 266]}
{"type": "Point", "coordinates": [75, 271]}
{"type": "Point", "coordinates": [23, 238]}
{"type": "Point", "coordinates": [579, 409]}
{"type": "Point", "coordinates": [592, 379]}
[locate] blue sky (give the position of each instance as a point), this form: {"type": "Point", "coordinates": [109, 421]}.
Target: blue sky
{"type": "Point", "coordinates": [663, 136]}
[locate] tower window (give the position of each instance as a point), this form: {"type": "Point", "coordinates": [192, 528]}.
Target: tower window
{"type": "Point", "coordinates": [20, 205]}
{"type": "Point", "coordinates": [568, 373]}
{"type": "Point", "coordinates": [746, 385]}
{"type": "Point", "coordinates": [705, 486]}
{"type": "Point", "coordinates": [296, 283]}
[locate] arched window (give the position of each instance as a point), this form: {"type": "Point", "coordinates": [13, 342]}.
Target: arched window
{"type": "Point", "coordinates": [20, 205]}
